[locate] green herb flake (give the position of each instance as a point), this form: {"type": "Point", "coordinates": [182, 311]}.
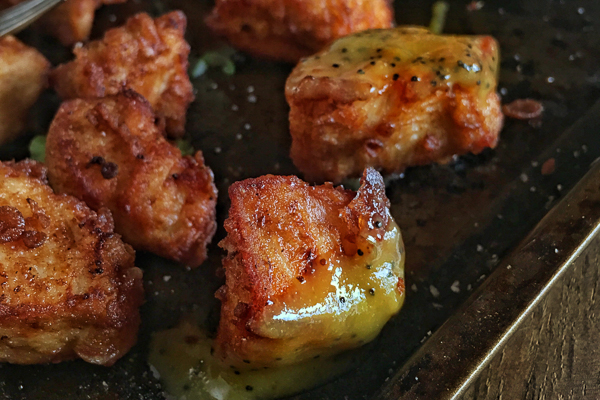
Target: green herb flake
{"type": "Point", "coordinates": [37, 148]}
{"type": "Point", "coordinates": [214, 59]}
{"type": "Point", "coordinates": [185, 146]}
{"type": "Point", "coordinates": [199, 69]}
{"type": "Point", "coordinates": [438, 19]}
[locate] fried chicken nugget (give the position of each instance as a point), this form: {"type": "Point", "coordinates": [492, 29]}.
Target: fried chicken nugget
{"type": "Point", "coordinates": [310, 270]}
{"type": "Point", "coordinates": [23, 77]}
{"type": "Point", "coordinates": [291, 29]}
{"type": "Point", "coordinates": [110, 153]}
{"type": "Point", "coordinates": [71, 21]}
{"type": "Point", "coordinates": [390, 99]}
{"type": "Point", "coordinates": [68, 285]}
{"type": "Point", "coordinates": [148, 56]}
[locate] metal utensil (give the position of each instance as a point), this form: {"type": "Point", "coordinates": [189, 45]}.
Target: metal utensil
{"type": "Point", "coordinates": [23, 14]}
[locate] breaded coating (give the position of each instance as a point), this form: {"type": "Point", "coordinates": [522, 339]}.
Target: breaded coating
{"type": "Point", "coordinates": [71, 21]}
{"type": "Point", "coordinates": [68, 285]}
{"type": "Point", "coordinates": [147, 56]}
{"type": "Point", "coordinates": [23, 77]}
{"type": "Point", "coordinates": [291, 29]}
{"type": "Point", "coordinates": [390, 99]}
{"type": "Point", "coordinates": [109, 152]}
{"type": "Point", "coordinates": [310, 271]}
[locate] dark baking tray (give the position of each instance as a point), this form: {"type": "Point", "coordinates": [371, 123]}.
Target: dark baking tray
{"type": "Point", "coordinates": [462, 222]}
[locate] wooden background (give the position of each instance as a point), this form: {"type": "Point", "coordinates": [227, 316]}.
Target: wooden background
{"type": "Point", "coordinates": [555, 354]}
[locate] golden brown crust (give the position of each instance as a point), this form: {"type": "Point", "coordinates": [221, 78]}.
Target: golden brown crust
{"type": "Point", "coordinates": [23, 76]}
{"type": "Point", "coordinates": [281, 230]}
{"type": "Point", "coordinates": [110, 153]}
{"type": "Point", "coordinates": [71, 21]}
{"type": "Point", "coordinates": [74, 292]}
{"type": "Point", "coordinates": [145, 55]}
{"type": "Point", "coordinates": [354, 106]}
{"type": "Point", "coordinates": [291, 29]}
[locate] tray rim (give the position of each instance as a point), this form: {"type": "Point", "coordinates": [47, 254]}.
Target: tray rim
{"type": "Point", "coordinates": [453, 378]}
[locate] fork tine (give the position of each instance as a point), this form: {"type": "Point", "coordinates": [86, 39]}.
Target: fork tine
{"type": "Point", "coordinates": [23, 14]}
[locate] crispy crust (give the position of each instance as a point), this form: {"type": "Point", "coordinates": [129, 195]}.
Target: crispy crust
{"type": "Point", "coordinates": [110, 153]}
{"type": "Point", "coordinates": [145, 55]}
{"type": "Point", "coordinates": [291, 29]}
{"type": "Point", "coordinates": [72, 21]}
{"type": "Point", "coordinates": [390, 114]}
{"type": "Point", "coordinates": [23, 76]}
{"type": "Point", "coordinates": [75, 292]}
{"type": "Point", "coordinates": [280, 230]}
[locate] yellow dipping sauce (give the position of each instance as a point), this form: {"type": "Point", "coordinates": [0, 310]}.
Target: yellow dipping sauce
{"type": "Point", "coordinates": [341, 307]}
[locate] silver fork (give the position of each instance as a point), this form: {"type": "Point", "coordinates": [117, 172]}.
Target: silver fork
{"type": "Point", "coordinates": [20, 16]}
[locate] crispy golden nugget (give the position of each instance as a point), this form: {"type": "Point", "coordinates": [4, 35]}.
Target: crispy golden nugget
{"type": "Point", "coordinates": [291, 29]}
{"type": "Point", "coordinates": [109, 152]}
{"type": "Point", "coordinates": [390, 99]}
{"type": "Point", "coordinates": [310, 270]}
{"type": "Point", "coordinates": [148, 56]}
{"type": "Point", "coordinates": [23, 76]}
{"type": "Point", "coordinates": [71, 21]}
{"type": "Point", "coordinates": [68, 285]}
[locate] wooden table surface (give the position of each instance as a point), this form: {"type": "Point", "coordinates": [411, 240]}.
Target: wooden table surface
{"type": "Point", "coordinates": [555, 354]}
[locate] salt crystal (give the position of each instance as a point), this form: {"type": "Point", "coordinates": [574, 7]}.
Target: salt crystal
{"type": "Point", "coordinates": [455, 287]}
{"type": "Point", "coordinates": [524, 177]}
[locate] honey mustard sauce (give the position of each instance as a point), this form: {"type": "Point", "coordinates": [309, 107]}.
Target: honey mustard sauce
{"type": "Point", "coordinates": [379, 57]}
{"type": "Point", "coordinates": [342, 306]}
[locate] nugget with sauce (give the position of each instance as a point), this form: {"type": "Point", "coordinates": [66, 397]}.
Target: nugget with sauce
{"type": "Point", "coordinates": [390, 99]}
{"type": "Point", "coordinates": [290, 29]}
{"type": "Point", "coordinates": [310, 271]}
{"type": "Point", "coordinates": [146, 55]}
{"type": "Point", "coordinates": [68, 284]}
{"type": "Point", "coordinates": [23, 77]}
{"type": "Point", "coordinates": [109, 152]}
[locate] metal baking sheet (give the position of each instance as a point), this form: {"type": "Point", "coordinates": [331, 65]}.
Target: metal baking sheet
{"type": "Point", "coordinates": [462, 222]}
